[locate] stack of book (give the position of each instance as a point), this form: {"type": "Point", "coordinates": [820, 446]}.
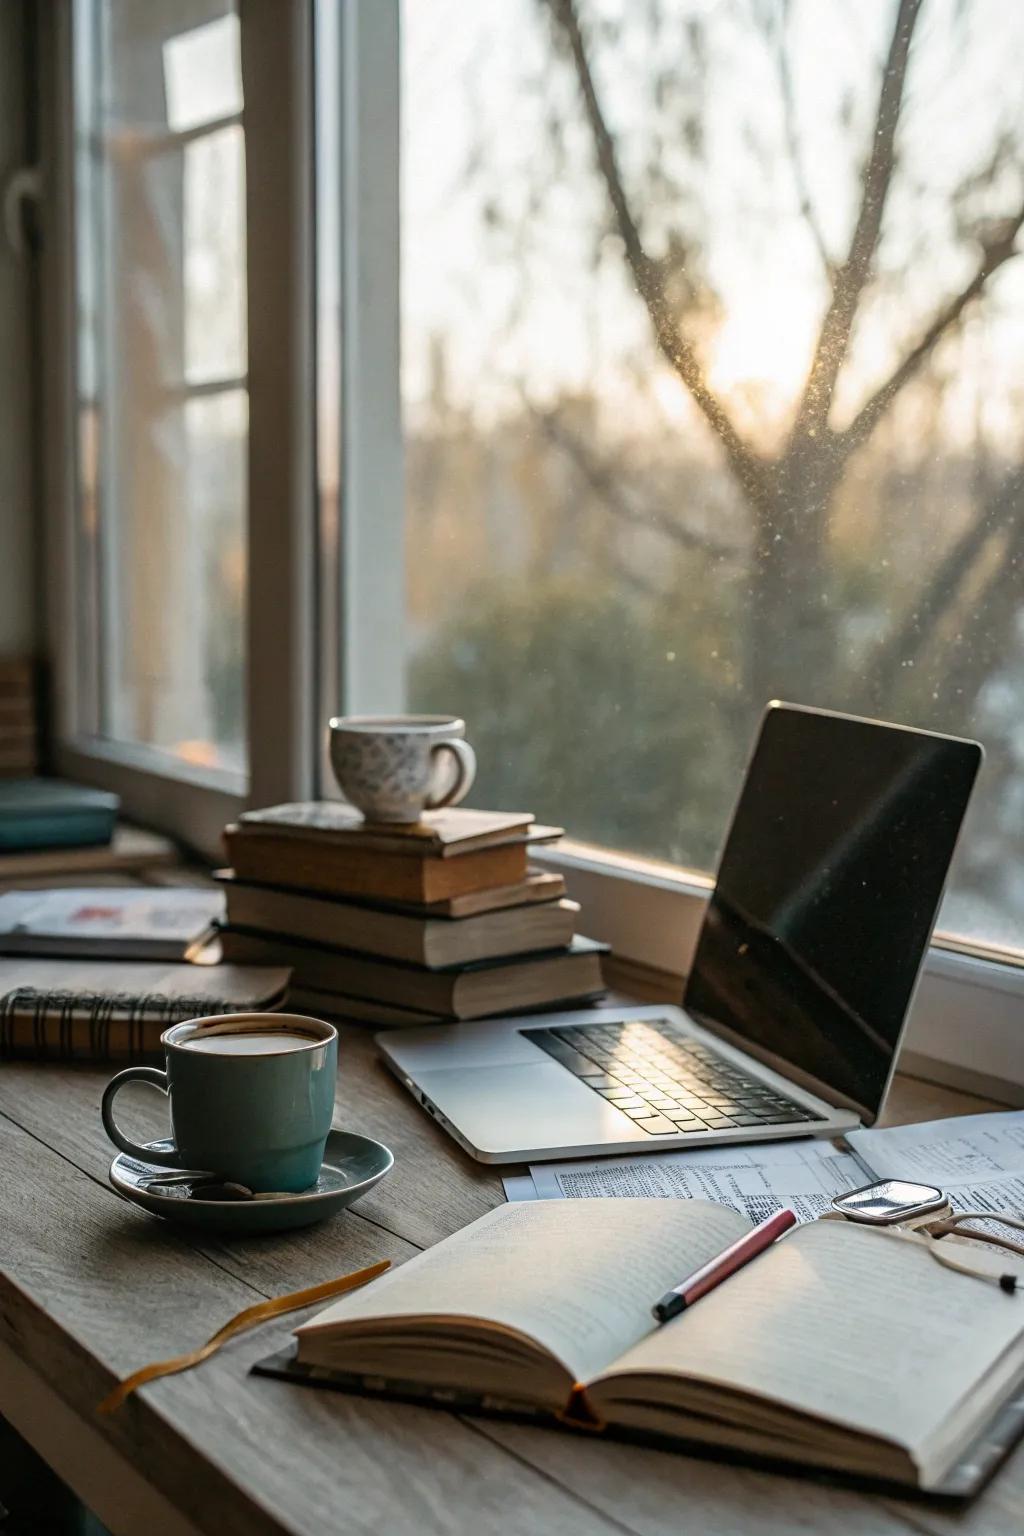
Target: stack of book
{"type": "Point", "coordinates": [440, 920]}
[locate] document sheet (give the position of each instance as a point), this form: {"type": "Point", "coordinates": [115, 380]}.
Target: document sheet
{"type": "Point", "coordinates": [755, 1180]}
{"type": "Point", "coordinates": [978, 1160]}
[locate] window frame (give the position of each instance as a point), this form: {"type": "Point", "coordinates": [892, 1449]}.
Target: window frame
{"type": "Point", "coordinates": [965, 1023]}
{"type": "Point", "coordinates": [193, 803]}
{"type": "Point", "coordinates": [649, 912]}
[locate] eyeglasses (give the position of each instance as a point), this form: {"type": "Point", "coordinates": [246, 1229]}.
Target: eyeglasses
{"type": "Point", "coordinates": [933, 1227]}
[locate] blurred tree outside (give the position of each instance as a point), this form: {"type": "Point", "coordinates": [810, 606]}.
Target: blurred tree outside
{"type": "Point", "coordinates": [716, 399]}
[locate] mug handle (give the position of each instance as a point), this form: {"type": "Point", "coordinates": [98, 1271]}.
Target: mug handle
{"type": "Point", "coordinates": [169, 1159]}
{"type": "Point", "coordinates": [465, 759]}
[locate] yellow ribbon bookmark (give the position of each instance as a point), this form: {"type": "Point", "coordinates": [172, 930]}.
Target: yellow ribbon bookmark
{"type": "Point", "coordinates": [238, 1324]}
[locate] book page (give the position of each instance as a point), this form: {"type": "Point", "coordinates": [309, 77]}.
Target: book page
{"type": "Point", "coordinates": [978, 1160]}
{"type": "Point", "coordinates": [579, 1277]}
{"type": "Point", "coordinates": [860, 1327]}
{"type": "Point", "coordinates": [757, 1181]}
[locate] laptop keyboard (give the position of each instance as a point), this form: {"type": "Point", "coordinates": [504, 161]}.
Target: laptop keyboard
{"type": "Point", "coordinates": [664, 1080]}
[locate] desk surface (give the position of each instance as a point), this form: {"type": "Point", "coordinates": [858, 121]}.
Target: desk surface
{"type": "Point", "coordinates": [91, 1288]}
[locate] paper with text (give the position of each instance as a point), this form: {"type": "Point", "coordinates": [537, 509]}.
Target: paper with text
{"type": "Point", "coordinates": [755, 1180]}
{"type": "Point", "coordinates": [978, 1160]}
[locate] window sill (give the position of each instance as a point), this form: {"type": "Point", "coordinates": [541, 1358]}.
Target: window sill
{"type": "Point", "coordinates": [189, 803]}
{"type": "Point", "coordinates": [966, 1026]}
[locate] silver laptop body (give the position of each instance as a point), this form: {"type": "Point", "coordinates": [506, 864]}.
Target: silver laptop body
{"type": "Point", "coordinates": [507, 1101]}
{"type": "Point", "coordinates": [806, 965]}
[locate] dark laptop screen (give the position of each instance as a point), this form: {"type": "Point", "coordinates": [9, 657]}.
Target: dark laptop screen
{"type": "Point", "coordinates": [827, 891]}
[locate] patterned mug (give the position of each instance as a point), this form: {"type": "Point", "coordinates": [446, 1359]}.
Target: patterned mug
{"type": "Point", "coordinates": [395, 767]}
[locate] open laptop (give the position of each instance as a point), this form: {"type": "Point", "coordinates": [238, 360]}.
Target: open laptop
{"type": "Point", "coordinates": [808, 957]}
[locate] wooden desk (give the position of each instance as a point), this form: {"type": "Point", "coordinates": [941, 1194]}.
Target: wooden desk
{"type": "Point", "coordinates": [90, 1288]}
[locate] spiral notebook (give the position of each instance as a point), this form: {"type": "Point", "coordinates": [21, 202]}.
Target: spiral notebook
{"type": "Point", "coordinates": [91, 1010]}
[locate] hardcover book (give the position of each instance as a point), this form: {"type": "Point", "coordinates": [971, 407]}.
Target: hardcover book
{"type": "Point", "coordinates": [270, 856]}
{"type": "Point", "coordinates": [430, 941]}
{"type": "Point", "coordinates": [447, 833]}
{"type": "Point", "coordinates": [473, 991]}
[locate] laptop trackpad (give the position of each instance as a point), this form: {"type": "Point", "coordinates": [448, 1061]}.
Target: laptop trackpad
{"type": "Point", "coordinates": [523, 1108]}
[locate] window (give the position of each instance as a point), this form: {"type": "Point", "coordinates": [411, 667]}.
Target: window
{"type": "Point", "coordinates": [711, 320]}
{"type": "Point", "coordinates": [695, 384]}
{"type": "Point", "coordinates": [159, 197]}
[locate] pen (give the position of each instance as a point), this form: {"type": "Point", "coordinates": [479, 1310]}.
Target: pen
{"type": "Point", "coordinates": [722, 1266]}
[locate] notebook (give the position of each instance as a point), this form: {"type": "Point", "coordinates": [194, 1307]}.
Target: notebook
{"type": "Point", "coordinates": [130, 923]}
{"type": "Point", "coordinates": [96, 1010]}
{"type": "Point", "coordinates": [839, 1348]}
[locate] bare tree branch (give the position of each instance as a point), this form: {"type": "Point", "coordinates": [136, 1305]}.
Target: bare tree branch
{"type": "Point", "coordinates": [834, 336]}
{"type": "Point", "coordinates": [603, 482]}
{"type": "Point", "coordinates": [673, 345]}
{"type": "Point", "coordinates": [999, 249]}
{"type": "Point", "coordinates": [803, 190]}
{"type": "Point", "coordinates": [946, 582]}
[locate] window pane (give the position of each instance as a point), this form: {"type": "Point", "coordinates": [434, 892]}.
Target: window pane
{"type": "Point", "coordinates": [203, 72]}
{"type": "Point", "coordinates": [712, 319]}
{"type": "Point", "coordinates": [162, 358]}
{"type": "Point", "coordinates": [214, 238]}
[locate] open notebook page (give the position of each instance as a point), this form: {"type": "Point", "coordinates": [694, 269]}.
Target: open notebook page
{"type": "Point", "coordinates": [856, 1326]}
{"type": "Point", "coordinates": [580, 1277]}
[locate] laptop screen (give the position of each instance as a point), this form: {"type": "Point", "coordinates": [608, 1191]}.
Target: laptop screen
{"type": "Point", "coordinates": [827, 891]}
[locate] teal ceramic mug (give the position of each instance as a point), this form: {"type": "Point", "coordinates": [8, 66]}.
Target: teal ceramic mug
{"type": "Point", "coordinates": [252, 1097]}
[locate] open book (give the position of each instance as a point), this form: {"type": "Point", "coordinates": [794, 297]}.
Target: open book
{"type": "Point", "coordinates": [840, 1347]}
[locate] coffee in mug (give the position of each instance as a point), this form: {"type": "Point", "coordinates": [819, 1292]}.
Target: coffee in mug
{"type": "Point", "coordinates": [270, 1043]}
{"type": "Point", "coordinates": [251, 1096]}
{"type": "Point", "coordinates": [395, 767]}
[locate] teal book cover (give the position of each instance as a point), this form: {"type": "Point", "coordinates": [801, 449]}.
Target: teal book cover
{"type": "Point", "coordinates": [51, 813]}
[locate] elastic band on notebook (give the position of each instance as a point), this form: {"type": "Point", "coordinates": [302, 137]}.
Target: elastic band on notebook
{"type": "Point", "coordinates": [62, 1007]}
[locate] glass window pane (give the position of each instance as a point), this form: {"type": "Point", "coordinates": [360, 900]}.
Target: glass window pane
{"type": "Point", "coordinates": [162, 357]}
{"type": "Point", "coordinates": [203, 72]}
{"type": "Point", "coordinates": [712, 319]}
{"type": "Point", "coordinates": [215, 298]}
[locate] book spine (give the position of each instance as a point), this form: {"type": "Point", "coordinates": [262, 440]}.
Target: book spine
{"type": "Point", "coordinates": [58, 1025]}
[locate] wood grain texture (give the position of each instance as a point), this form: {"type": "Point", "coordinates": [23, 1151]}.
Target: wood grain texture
{"type": "Point", "coordinates": [101, 1288]}
{"type": "Point", "coordinates": [91, 1288]}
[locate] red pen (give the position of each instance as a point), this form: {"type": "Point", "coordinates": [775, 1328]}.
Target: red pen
{"type": "Point", "coordinates": [722, 1266]}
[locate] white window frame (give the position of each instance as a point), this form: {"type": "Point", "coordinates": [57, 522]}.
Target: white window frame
{"type": "Point", "coordinates": [967, 1023]}
{"type": "Point", "coordinates": [189, 802]}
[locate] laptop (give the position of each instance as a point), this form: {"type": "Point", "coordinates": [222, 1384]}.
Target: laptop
{"type": "Point", "coordinates": [805, 968]}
